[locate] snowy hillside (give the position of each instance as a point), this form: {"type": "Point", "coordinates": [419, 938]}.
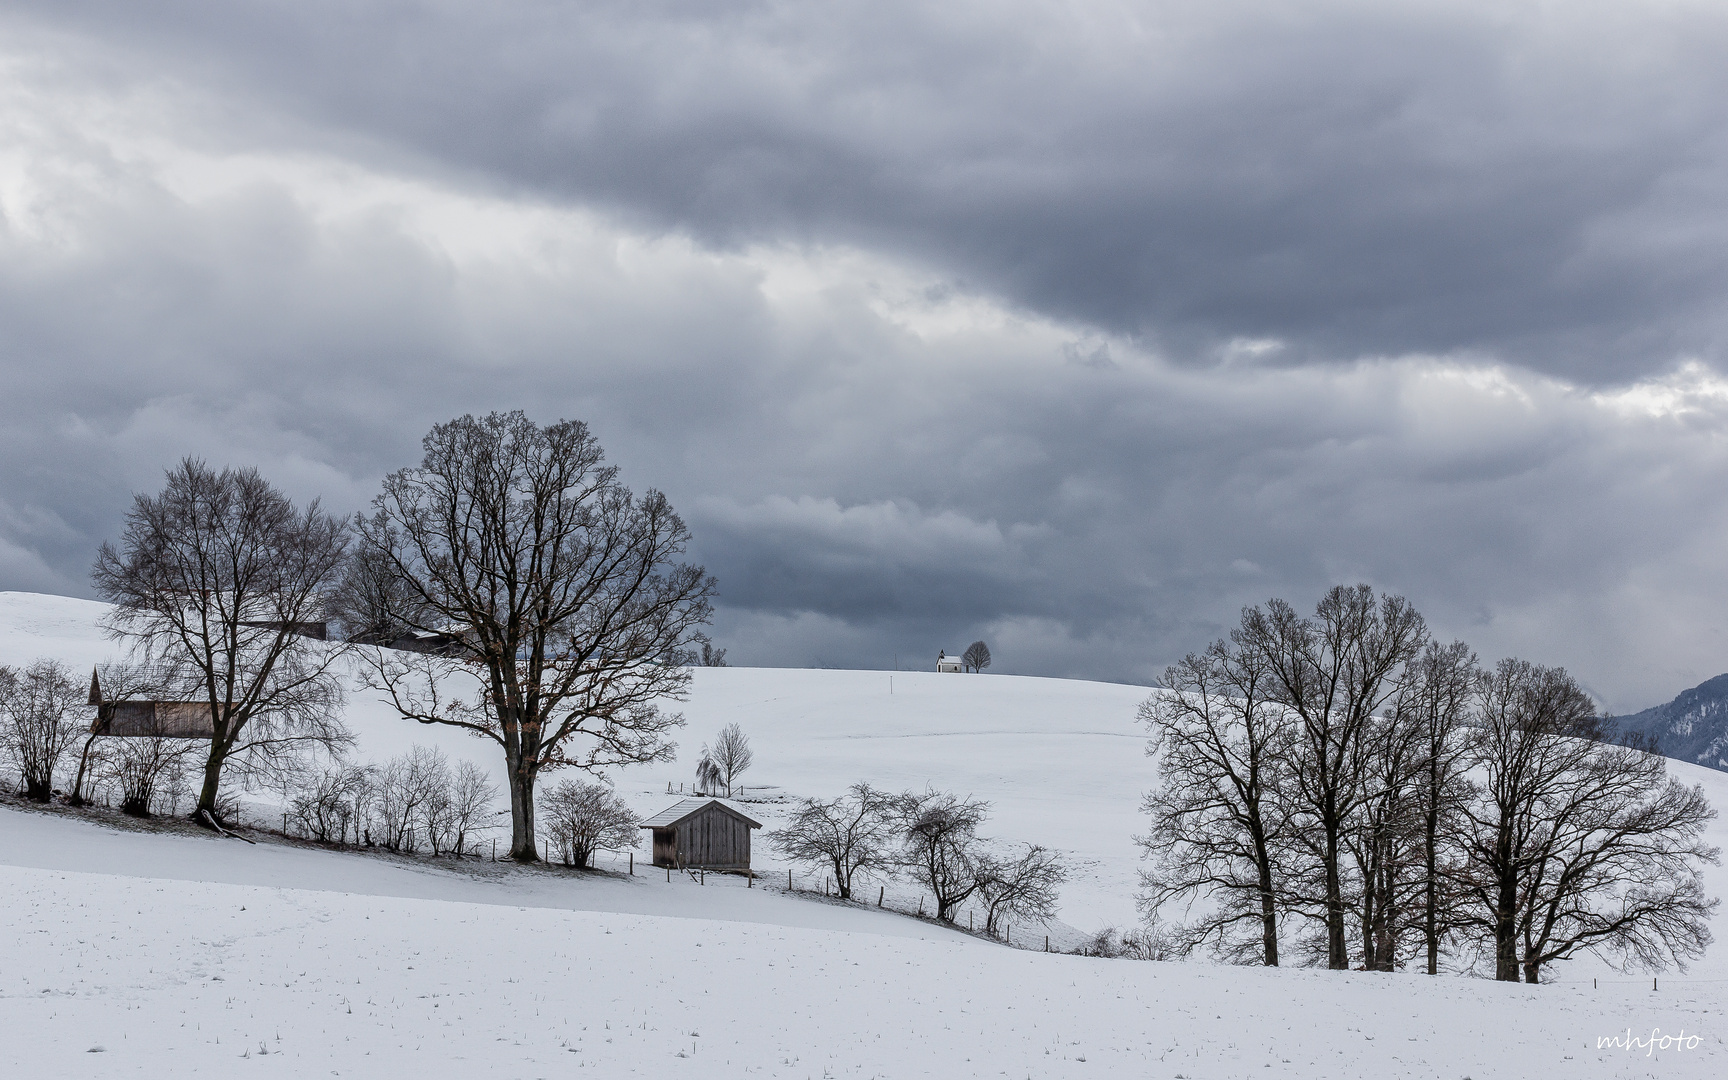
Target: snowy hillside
{"type": "Point", "coordinates": [165, 951]}
{"type": "Point", "coordinates": [1693, 727]}
{"type": "Point", "coordinates": [1062, 762]}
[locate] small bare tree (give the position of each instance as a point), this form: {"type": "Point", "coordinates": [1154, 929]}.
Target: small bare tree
{"type": "Point", "coordinates": [408, 788]}
{"type": "Point", "coordinates": [139, 766]}
{"type": "Point", "coordinates": [212, 585]}
{"type": "Point", "coordinates": [571, 620]}
{"type": "Point", "coordinates": [712, 657]}
{"type": "Point", "coordinates": [585, 817]}
{"type": "Point", "coordinates": [940, 847]}
{"type": "Point", "coordinates": [849, 836]}
{"type": "Point", "coordinates": [1021, 885]}
{"type": "Point", "coordinates": [976, 657]}
{"type": "Point", "coordinates": [471, 797]}
{"type": "Point", "coordinates": [332, 804]}
{"type": "Point", "coordinates": [731, 755]}
{"type": "Point", "coordinates": [39, 722]}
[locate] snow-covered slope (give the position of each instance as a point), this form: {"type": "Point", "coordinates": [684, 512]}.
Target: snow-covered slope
{"type": "Point", "coordinates": [1061, 762]}
{"type": "Point", "coordinates": [142, 953]}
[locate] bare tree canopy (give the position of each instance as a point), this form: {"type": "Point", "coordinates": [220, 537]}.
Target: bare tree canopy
{"type": "Point", "coordinates": [1576, 843]}
{"type": "Point", "coordinates": [210, 586]}
{"type": "Point", "coordinates": [1019, 885]}
{"type": "Point", "coordinates": [371, 601]}
{"type": "Point", "coordinates": [712, 657]}
{"type": "Point", "coordinates": [1217, 823]}
{"type": "Point", "coordinates": [585, 817]}
{"type": "Point", "coordinates": [848, 836]}
{"type": "Point", "coordinates": [1334, 670]}
{"type": "Point", "coordinates": [977, 656]}
{"type": "Point", "coordinates": [731, 755]}
{"type": "Point", "coordinates": [40, 720]}
{"type": "Point", "coordinates": [940, 844]}
{"type": "Point", "coordinates": [572, 620]}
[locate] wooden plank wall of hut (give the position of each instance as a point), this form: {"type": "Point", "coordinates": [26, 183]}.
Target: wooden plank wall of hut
{"type": "Point", "coordinates": [715, 839]}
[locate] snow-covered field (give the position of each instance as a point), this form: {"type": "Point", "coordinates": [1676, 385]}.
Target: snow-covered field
{"type": "Point", "coordinates": [140, 953]}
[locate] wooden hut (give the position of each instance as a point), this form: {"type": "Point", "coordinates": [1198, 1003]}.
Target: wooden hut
{"type": "Point", "coordinates": [701, 834]}
{"type": "Point", "coordinates": [150, 719]}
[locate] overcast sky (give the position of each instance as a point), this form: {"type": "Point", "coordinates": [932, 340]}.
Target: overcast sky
{"type": "Point", "coordinates": [1070, 326]}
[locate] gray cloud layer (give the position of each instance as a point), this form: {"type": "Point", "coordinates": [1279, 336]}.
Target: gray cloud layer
{"type": "Point", "coordinates": [1075, 327]}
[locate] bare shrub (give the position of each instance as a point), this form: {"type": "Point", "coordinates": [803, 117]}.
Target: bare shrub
{"type": "Point", "coordinates": [850, 835]}
{"type": "Point", "coordinates": [584, 817]}
{"type": "Point", "coordinates": [39, 722]}
{"type": "Point", "coordinates": [1021, 886]}
{"type": "Point", "coordinates": [333, 804]}
{"type": "Point", "coordinates": [137, 767]}
{"type": "Point", "coordinates": [407, 785]}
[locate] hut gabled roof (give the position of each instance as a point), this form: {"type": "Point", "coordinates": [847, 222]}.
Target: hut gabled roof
{"type": "Point", "coordinates": [684, 809]}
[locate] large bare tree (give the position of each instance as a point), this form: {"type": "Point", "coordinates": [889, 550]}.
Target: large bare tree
{"type": "Point", "coordinates": [1334, 670]}
{"type": "Point", "coordinates": [1575, 843]}
{"type": "Point", "coordinates": [1438, 702]}
{"type": "Point", "coordinates": [570, 617]}
{"type": "Point", "coordinates": [1223, 745]}
{"type": "Point", "coordinates": [212, 584]}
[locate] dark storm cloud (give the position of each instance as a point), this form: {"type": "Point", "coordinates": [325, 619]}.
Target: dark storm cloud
{"type": "Point", "coordinates": [1073, 329]}
{"type": "Point", "coordinates": [1352, 179]}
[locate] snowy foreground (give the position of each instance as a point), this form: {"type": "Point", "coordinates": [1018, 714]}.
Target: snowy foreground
{"type": "Point", "coordinates": [165, 953]}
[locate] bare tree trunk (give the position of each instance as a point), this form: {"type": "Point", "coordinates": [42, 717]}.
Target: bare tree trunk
{"type": "Point", "coordinates": [1337, 947]}
{"type": "Point", "coordinates": [212, 785]}
{"type": "Point", "coordinates": [521, 775]}
{"type": "Point", "coordinates": [1506, 915]}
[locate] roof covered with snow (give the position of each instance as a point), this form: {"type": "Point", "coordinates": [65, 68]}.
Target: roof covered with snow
{"type": "Point", "coordinates": [685, 808]}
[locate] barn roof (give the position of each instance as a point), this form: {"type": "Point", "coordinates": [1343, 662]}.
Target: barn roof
{"type": "Point", "coordinates": [688, 808]}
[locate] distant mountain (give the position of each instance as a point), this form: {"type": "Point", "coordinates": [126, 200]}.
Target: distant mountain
{"type": "Point", "coordinates": [1693, 727]}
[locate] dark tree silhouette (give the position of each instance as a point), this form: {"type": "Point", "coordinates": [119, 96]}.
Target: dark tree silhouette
{"type": "Point", "coordinates": [211, 584]}
{"type": "Point", "coordinates": [569, 617]}
{"type": "Point", "coordinates": [976, 656]}
{"type": "Point", "coordinates": [848, 836]}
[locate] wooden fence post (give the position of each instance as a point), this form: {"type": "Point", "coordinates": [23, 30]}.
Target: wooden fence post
{"type": "Point", "coordinates": [632, 864]}
{"type": "Point", "coordinates": [788, 879]}
{"type": "Point", "coordinates": [880, 889]}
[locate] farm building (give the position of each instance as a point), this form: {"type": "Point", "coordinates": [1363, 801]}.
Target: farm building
{"type": "Point", "coordinates": [944, 662]}
{"type": "Point", "coordinates": [149, 719]}
{"type": "Point", "coordinates": [701, 833]}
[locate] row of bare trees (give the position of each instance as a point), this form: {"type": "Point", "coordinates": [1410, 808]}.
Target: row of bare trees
{"type": "Point", "coordinates": [931, 838]}
{"type": "Point", "coordinates": [414, 802]}
{"type": "Point", "coordinates": [559, 613]}
{"type": "Point", "coordinates": [1345, 784]}
{"type": "Point", "coordinates": [46, 742]}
